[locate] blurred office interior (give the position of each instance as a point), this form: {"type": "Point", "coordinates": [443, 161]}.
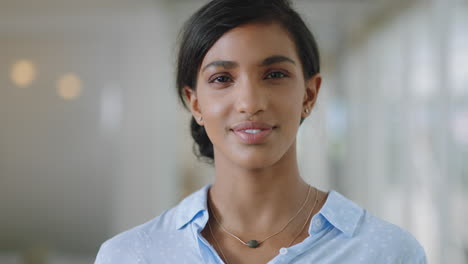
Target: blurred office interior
{"type": "Point", "coordinates": [93, 140]}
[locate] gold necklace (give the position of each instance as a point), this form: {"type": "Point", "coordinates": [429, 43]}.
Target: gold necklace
{"type": "Point", "coordinates": [298, 234]}
{"type": "Point", "coordinates": [307, 220]}
{"type": "Point", "coordinates": [217, 243]}
{"type": "Point", "coordinates": [255, 243]}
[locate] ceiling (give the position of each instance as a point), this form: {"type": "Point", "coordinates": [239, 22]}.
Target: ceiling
{"type": "Point", "coordinates": [328, 19]}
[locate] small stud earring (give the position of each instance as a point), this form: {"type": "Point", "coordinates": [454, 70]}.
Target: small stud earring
{"type": "Point", "coordinates": [200, 119]}
{"type": "Point", "coordinates": [306, 110]}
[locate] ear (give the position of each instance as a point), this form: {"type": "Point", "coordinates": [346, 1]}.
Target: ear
{"type": "Point", "coordinates": [311, 93]}
{"type": "Point", "coordinates": [192, 99]}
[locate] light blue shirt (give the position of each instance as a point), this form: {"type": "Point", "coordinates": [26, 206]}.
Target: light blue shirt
{"type": "Point", "coordinates": [341, 232]}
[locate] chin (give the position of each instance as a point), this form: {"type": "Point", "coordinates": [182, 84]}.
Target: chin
{"type": "Point", "coordinates": [251, 157]}
{"type": "Point", "coordinates": [255, 160]}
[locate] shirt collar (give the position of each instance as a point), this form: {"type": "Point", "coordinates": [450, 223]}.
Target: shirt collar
{"type": "Point", "coordinates": [339, 211]}
{"type": "Point", "coordinates": [191, 206]}
{"type": "Point", "coordinates": [342, 213]}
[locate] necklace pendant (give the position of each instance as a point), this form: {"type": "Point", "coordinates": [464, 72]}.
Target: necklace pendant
{"type": "Point", "coordinates": [252, 243]}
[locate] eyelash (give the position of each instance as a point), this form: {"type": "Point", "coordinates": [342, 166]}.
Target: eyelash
{"type": "Point", "coordinates": [284, 75]}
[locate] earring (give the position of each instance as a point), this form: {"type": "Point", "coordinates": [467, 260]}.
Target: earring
{"type": "Point", "coordinates": [306, 110]}
{"type": "Point", "coordinates": [200, 119]}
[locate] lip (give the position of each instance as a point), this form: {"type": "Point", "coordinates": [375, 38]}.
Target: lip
{"type": "Point", "coordinates": [252, 125]}
{"type": "Point", "coordinates": [257, 138]}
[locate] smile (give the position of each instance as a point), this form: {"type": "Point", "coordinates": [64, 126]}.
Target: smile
{"type": "Point", "coordinates": [252, 131]}
{"type": "Point", "coordinates": [253, 136]}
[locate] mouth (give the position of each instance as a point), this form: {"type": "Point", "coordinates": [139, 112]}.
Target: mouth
{"type": "Point", "coordinates": [250, 125]}
{"type": "Point", "coordinates": [253, 133]}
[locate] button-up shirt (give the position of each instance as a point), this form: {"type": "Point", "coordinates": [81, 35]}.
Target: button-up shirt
{"type": "Point", "coordinates": [341, 232]}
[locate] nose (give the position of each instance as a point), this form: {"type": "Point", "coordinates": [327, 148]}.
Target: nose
{"type": "Point", "coordinates": [251, 97]}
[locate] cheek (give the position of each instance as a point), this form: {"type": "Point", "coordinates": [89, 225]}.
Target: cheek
{"type": "Point", "coordinates": [214, 109]}
{"type": "Point", "coordinates": [290, 101]}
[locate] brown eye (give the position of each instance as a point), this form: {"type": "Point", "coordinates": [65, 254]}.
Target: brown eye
{"type": "Point", "coordinates": [221, 79]}
{"type": "Point", "coordinates": [275, 75]}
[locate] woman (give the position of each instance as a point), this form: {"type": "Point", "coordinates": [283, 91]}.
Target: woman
{"type": "Point", "coordinates": [249, 70]}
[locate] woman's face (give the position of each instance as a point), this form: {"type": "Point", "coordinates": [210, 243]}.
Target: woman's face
{"type": "Point", "coordinates": [251, 95]}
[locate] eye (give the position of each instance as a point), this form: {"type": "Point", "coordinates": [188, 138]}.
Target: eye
{"type": "Point", "coordinates": [276, 75]}
{"type": "Point", "coordinates": [220, 79]}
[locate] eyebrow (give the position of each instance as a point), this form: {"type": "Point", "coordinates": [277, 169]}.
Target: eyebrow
{"type": "Point", "coordinates": [276, 59]}
{"type": "Point", "coordinates": [232, 64]}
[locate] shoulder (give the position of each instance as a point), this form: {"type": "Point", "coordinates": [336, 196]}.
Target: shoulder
{"type": "Point", "coordinates": [368, 237]}
{"type": "Point", "coordinates": [389, 241]}
{"type": "Point", "coordinates": [154, 240]}
{"type": "Point", "coordinates": [127, 247]}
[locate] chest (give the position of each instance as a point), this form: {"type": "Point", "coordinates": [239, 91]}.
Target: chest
{"type": "Point", "coordinates": [233, 252]}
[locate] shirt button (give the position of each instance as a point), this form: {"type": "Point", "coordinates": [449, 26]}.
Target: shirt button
{"type": "Point", "coordinates": [283, 251]}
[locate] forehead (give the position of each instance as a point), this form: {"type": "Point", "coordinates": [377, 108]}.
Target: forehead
{"type": "Point", "coordinates": [251, 43]}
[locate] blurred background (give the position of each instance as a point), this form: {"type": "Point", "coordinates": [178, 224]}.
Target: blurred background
{"type": "Point", "coordinates": [93, 140]}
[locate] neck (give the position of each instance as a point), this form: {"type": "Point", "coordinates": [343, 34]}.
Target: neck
{"type": "Point", "coordinates": [257, 201]}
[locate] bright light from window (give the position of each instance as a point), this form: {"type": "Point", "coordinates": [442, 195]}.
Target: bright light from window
{"type": "Point", "coordinates": [23, 73]}
{"type": "Point", "coordinates": [69, 86]}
